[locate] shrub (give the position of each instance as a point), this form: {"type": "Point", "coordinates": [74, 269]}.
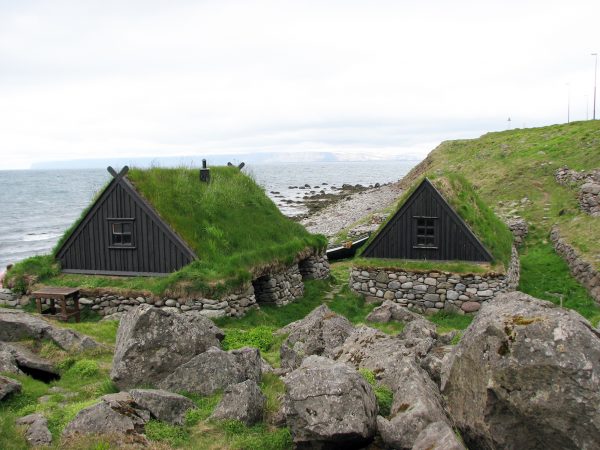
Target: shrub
{"type": "Point", "coordinates": [383, 394]}
{"type": "Point", "coordinates": [84, 368]}
{"type": "Point", "coordinates": [260, 337]}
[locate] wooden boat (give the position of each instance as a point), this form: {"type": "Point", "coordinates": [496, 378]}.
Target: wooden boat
{"type": "Point", "coordinates": [346, 250]}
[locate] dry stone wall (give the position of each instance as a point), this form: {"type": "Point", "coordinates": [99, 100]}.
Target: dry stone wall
{"type": "Point", "coordinates": [518, 227]}
{"type": "Point", "coordinates": [314, 268]}
{"type": "Point", "coordinates": [281, 287]}
{"type": "Point", "coordinates": [589, 187]}
{"type": "Point", "coordinates": [435, 290]}
{"type": "Point", "coordinates": [582, 270]}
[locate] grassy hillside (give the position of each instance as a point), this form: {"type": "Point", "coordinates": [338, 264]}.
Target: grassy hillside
{"type": "Point", "coordinates": [513, 171]}
{"type": "Point", "coordinates": [231, 224]}
{"type": "Point", "coordinates": [509, 166]}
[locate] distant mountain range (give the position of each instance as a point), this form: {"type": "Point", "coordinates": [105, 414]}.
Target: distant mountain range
{"type": "Point", "coordinates": [214, 159]}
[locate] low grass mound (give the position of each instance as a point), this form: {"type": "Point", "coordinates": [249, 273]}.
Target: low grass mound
{"type": "Point", "coordinates": [230, 223]}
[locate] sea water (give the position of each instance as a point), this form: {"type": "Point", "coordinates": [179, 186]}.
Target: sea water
{"type": "Point", "coordinates": [37, 206]}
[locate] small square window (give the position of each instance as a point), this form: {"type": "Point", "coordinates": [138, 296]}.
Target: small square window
{"type": "Point", "coordinates": [425, 232]}
{"type": "Point", "coordinates": [121, 234]}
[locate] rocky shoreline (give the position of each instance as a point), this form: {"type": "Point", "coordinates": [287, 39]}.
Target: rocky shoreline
{"type": "Point", "coordinates": [345, 210]}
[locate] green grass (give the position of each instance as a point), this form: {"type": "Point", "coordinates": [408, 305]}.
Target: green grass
{"type": "Point", "coordinates": [231, 224]}
{"type": "Point", "coordinates": [460, 267]}
{"type": "Point", "coordinates": [260, 337]}
{"type": "Point", "coordinates": [545, 275]}
{"type": "Point", "coordinates": [173, 435]}
{"type": "Point", "coordinates": [448, 321]}
{"type": "Point", "coordinates": [383, 394]}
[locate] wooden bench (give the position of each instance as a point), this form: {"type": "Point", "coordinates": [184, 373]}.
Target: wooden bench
{"type": "Point", "coordinates": [61, 295]}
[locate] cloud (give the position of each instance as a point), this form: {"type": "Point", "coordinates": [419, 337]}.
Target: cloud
{"type": "Point", "coordinates": [154, 78]}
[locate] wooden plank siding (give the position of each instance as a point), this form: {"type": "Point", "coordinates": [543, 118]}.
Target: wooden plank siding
{"type": "Point", "coordinates": [156, 248]}
{"type": "Point", "coordinates": [454, 240]}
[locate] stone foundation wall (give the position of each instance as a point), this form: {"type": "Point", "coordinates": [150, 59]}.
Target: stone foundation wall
{"type": "Point", "coordinates": [314, 268]}
{"type": "Point", "coordinates": [583, 271]}
{"type": "Point", "coordinates": [280, 288]}
{"type": "Point", "coordinates": [436, 290]}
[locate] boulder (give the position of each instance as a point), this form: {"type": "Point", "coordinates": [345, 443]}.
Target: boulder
{"type": "Point", "coordinates": [8, 363]}
{"type": "Point", "coordinates": [18, 325]}
{"type": "Point", "coordinates": [319, 333]}
{"type": "Point", "coordinates": [213, 370]}
{"type": "Point", "coordinates": [243, 401]}
{"type": "Point", "coordinates": [417, 403]}
{"type": "Point", "coordinates": [162, 405]}
{"type": "Point", "coordinates": [37, 433]}
{"type": "Point", "coordinates": [526, 374]}
{"type": "Point", "coordinates": [419, 328]}
{"type": "Point", "coordinates": [114, 414]}
{"type": "Point", "coordinates": [436, 362]}
{"type": "Point", "coordinates": [328, 403]}
{"type": "Point", "coordinates": [8, 386]}
{"type": "Point", "coordinates": [438, 435]}
{"type": "Point", "coordinates": [151, 343]}
{"type": "Point", "coordinates": [368, 348]}
{"type": "Point", "coordinates": [250, 363]}
{"type": "Point", "coordinates": [390, 310]}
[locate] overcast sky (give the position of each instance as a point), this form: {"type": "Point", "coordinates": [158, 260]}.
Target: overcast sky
{"type": "Point", "coordinates": [88, 79]}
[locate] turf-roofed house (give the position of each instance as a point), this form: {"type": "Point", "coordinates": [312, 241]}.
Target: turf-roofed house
{"type": "Point", "coordinates": [209, 240]}
{"type": "Point", "coordinates": [443, 248]}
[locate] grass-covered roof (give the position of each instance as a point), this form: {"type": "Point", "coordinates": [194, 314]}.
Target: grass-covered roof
{"type": "Point", "coordinates": [461, 195]}
{"type": "Point", "coordinates": [230, 223]}
{"type": "Point", "coordinates": [227, 222]}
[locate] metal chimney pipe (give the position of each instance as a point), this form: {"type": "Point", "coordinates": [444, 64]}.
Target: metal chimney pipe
{"type": "Point", "coordinates": [204, 172]}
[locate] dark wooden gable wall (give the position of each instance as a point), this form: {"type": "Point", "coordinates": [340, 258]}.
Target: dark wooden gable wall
{"type": "Point", "coordinates": [154, 248]}
{"type": "Point", "coordinates": [426, 208]}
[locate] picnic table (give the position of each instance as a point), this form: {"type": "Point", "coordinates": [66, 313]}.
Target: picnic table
{"type": "Point", "coordinates": [62, 295]}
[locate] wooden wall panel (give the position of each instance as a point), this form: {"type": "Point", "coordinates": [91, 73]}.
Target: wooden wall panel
{"type": "Point", "coordinates": [156, 248]}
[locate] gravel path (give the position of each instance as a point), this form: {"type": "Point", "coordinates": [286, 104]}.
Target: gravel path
{"type": "Point", "coordinates": [344, 213]}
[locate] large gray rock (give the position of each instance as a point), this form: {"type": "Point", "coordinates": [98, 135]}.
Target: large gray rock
{"type": "Point", "coordinates": [368, 348]}
{"type": "Point", "coordinates": [114, 414]}
{"type": "Point", "coordinates": [37, 432]}
{"type": "Point", "coordinates": [329, 404]}
{"type": "Point", "coordinates": [319, 333]}
{"type": "Point", "coordinates": [436, 362]}
{"type": "Point", "coordinates": [390, 310]}
{"type": "Point", "coordinates": [19, 325]}
{"type": "Point", "coordinates": [213, 370]}
{"type": "Point", "coordinates": [243, 401]}
{"type": "Point", "coordinates": [526, 374]}
{"type": "Point", "coordinates": [417, 403]}
{"type": "Point", "coordinates": [8, 363]}
{"type": "Point", "coordinates": [8, 386]}
{"type": "Point", "coordinates": [162, 405]}
{"type": "Point", "coordinates": [152, 343]}
{"type": "Point", "coordinates": [438, 436]}
{"type": "Point", "coordinates": [250, 363]}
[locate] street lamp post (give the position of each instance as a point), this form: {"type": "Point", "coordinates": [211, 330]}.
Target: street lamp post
{"type": "Point", "coordinates": [568, 102]}
{"type": "Point", "coordinates": [595, 72]}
